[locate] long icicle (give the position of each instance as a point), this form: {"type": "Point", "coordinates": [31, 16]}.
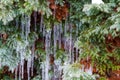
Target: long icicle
{"type": "Point", "coordinates": [16, 73]}
{"type": "Point", "coordinates": [55, 47]}
{"type": "Point", "coordinates": [28, 19]}
{"type": "Point", "coordinates": [65, 34]}
{"type": "Point", "coordinates": [55, 38]}
{"type": "Point", "coordinates": [47, 49]}
{"type": "Point", "coordinates": [60, 35]}
{"type": "Point", "coordinates": [44, 31]}
{"type": "Point", "coordinates": [76, 52]}
{"type": "Point", "coordinates": [28, 67]}
{"type": "Point", "coordinates": [22, 25]}
{"type": "Point", "coordinates": [22, 64]}
{"type": "Point", "coordinates": [20, 54]}
{"type": "Point", "coordinates": [43, 71]}
{"type": "Point", "coordinates": [32, 61]}
{"type": "Point", "coordinates": [19, 72]}
{"type": "Point", "coordinates": [41, 23]}
{"type": "Point", "coordinates": [70, 45]}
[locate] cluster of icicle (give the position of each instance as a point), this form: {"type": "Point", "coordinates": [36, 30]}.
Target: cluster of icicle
{"type": "Point", "coordinates": [61, 35]}
{"type": "Point", "coordinates": [25, 27]}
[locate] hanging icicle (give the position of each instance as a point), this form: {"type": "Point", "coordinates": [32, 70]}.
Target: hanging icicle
{"type": "Point", "coordinates": [19, 72]}
{"type": "Point", "coordinates": [32, 60]}
{"type": "Point", "coordinates": [23, 25]}
{"type": "Point", "coordinates": [55, 34]}
{"type": "Point", "coordinates": [70, 44]}
{"type": "Point", "coordinates": [28, 67]}
{"type": "Point", "coordinates": [55, 38]}
{"type": "Point", "coordinates": [22, 63]}
{"type": "Point", "coordinates": [47, 49]}
{"type": "Point", "coordinates": [65, 35]}
{"type": "Point", "coordinates": [76, 39]}
{"type": "Point", "coordinates": [16, 73]}
{"type": "Point", "coordinates": [60, 35]}
{"type": "Point", "coordinates": [44, 31]}
{"type": "Point", "coordinates": [72, 55]}
{"type": "Point", "coordinates": [43, 71]}
{"type": "Point", "coordinates": [27, 31]}
{"type": "Point", "coordinates": [41, 23]}
{"type": "Point", "coordinates": [28, 19]}
{"type": "Point", "coordinates": [65, 28]}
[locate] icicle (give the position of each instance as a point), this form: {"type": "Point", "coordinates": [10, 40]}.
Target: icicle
{"type": "Point", "coordinates": [47, 67]}
{"type": "Point", "coordinates": [65, 34]}
{"type": "Point", "coordinates": [70, 44]}
{"type": "Point", "coordinates": [32, 60]}
{"type": "Point", "coordinates": [61, 29]}
{"type": "Point", "coordinates": [35, 20]}
{"type": "Point", "coordinates": [41, 23]}
{"type": "Point", "coordinates": [22, 25]}
{"type": "Point", "coordinates": [47, 49]}
{"type": "Point", "coordinates": [28, 24]}
{"type": "Point", "coordinates": [55, 38]}
{"type": "Point", "coordinates": [76, 49]}
{"type": "Point", "coordinates": [72, 56]}
{"type": "Point", "coordinates": [43, 71]}
{"type": "Point", "coordinates": [22, 64]}
{"type": "Point", "coordinates": [60, 37]}
{"type": "Point", "coordinates": [65, 28]}
{"type": "Point", "coordinates": [19, 72]}
{"type": "Point", "coordinates": [55, 42]}
{"type": "Point", "coordinates": [27, 31]}
{"type": "Point", "coordinates": [76, 54]}
{"type": "Point", "coordinates": [66, 25]}
{"type": "Point", "coordinates": [28, 67]}
{"type": "Point", "coordinates": [16, 71]}
{"type": "Point", "coordinates": [55, 47]}
{"type": "Point", "coordinates": [44, 31]}
{"type": "Point", "coordinates": [60, 75]}
{"type": "Point", "coordinates": [65, 41]}
{"type": "Point", "coordinates": [21, 54]}
{"type": "Point", "coordinates": [70, 51]}
{"type": "Point", "coordinates": [57, 69]}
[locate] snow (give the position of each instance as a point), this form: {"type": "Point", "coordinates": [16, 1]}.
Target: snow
{"type": "Point", "coordinates": [97, 2]}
